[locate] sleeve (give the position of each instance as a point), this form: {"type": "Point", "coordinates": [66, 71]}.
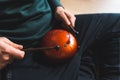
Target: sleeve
{"type": "Point", "coordinates": [54, 3]}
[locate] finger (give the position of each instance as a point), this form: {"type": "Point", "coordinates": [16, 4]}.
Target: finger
{"type": "Point", "coordinates": [5, 57]}
{"type": "Point", "coordinates": [64, 18]}
{"type": "Point", "coordinates": [71, 18]}
{"type": "Point", "coordinates": [17, 53]}
{"type": "Point", "coordinates": [13, 44]}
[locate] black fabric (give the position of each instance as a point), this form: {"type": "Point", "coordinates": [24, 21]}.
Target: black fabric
{"type": "Point", "coordinates": [99, 41]}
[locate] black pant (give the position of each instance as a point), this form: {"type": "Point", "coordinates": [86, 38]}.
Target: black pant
{"type": "Point", "coordinates": [99, 41]}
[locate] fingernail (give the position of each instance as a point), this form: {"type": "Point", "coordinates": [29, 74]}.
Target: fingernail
{"type": "Point", "coordinates": [22, 55]}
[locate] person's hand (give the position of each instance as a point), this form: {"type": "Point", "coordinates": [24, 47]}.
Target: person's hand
{"type": "Point", "coordinates": [9, 51]}
{"type": "Point", "coordinates": [66, 17]}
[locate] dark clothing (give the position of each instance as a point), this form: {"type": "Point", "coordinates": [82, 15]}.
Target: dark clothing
{"type": "Point", "coordinates": [99, 39]}
{"type": "Point", "coordinates": [25, 22]}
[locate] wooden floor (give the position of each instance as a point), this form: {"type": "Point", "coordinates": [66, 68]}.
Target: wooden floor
{"type": "Point", "coordinates": [92, 6]}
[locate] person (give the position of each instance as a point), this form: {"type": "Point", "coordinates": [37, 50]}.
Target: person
{"type": "Point", "coordinates": [26, 22]}
{"type": "Point", "coordinates": [22, 24]}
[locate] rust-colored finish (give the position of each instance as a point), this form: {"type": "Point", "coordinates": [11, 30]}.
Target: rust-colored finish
{"type": "Point", "coordinates": [64, 42]}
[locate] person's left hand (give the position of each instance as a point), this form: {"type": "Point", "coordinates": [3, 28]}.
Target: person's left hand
{"type": "Point", "coordinates": [67, 18]}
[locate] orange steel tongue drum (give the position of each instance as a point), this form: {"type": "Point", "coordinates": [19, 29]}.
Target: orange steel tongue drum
{"type": "Point", "coordinates": [58, 45]}
{"type": "Point", "coordinates": [64, 43]}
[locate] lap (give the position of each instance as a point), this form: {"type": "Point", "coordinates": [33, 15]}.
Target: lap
{"type": "Point", "coordinates": [99, 35]}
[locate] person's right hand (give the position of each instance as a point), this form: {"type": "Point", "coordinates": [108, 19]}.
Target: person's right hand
{"type": "Point", "coordinates": [9, 51]}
